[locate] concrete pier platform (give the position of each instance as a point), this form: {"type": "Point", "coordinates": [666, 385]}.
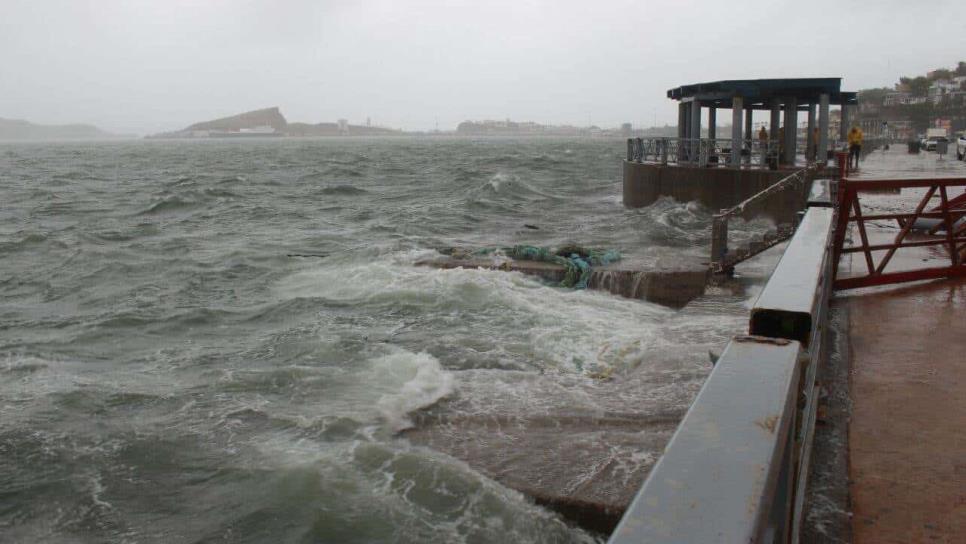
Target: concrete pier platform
{"type": "Point", "coordinates": [716, 188]}
{"type": "Point", "coordinates": [670, 282]}
{"type": "Point", "coordinates": [907, 446]}
{"type": "Point", "coordinates": [907, 385]}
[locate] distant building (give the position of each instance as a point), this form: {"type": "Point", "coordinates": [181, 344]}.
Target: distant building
{"type": "Point", "coordinates": [940, 88]}
{"type": "Point", "coordinates": [626, 130]}
{"type": "Point", "coordinates": [343, 126]}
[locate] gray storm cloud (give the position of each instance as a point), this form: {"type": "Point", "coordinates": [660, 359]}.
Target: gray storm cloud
{"type": "Point", "coordinates": [146, 66]}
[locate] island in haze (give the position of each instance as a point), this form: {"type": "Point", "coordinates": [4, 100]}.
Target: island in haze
{"type": "Point", "coordinates": [20, 130]}
{"type": "Point", "coordinates": [269, 122]}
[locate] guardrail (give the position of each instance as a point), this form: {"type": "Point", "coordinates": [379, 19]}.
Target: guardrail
{"type": "Point", "coordinates": [722, 258]}
{"type": "Point", "coordinates": [737, 466]}
{"type": "Point", "coordinates": [704, 152]}
{"type": "Point", "coordinates": [948, 214]}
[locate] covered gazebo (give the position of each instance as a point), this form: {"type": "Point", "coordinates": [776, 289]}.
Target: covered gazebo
{"type": "Point", "coordinates": [743, 96]}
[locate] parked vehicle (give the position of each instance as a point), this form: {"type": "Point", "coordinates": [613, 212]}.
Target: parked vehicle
{"type": "Point", "coordinates": [933, 143]}
{"type": "Point", "coordinates": [933, 136]}
{"type": "Point", "coordinates": [961, 147]}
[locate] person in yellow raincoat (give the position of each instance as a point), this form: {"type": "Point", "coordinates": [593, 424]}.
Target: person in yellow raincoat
{"type": "Point", "coordinates": [855, 146]}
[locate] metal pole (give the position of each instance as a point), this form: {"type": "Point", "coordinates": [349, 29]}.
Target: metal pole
{"type": "Point", "coordinates": [681, 117]}
{"type": "Point", "coordinates": [749, 133]}
{"type": "Point", "coordinates": [846, 120]}
{"type": "Point", "coordinates": [682, 128]}
{"type": "Point", "coordinates": [712, 122]}
{"type": "Point", "coordinates": [791, 129]}
{"type": "Point", "coordinates": [775, 119]}
{"type": "Point", "coordinates": [695, 132]}
{"type": "Point", "coordinates": [822, 152]}
{"type": "Point", "coordinates": [719, 239]}
{"type": "Point", "coordinates": [810, 142]}
{"type": "Point", "coordinates": [737, 104]}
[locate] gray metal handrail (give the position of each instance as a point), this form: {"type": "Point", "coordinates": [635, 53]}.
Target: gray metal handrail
{"type": "Point", "coordinates": [703, 151]}
{"type": "Point", "coordinates": [720, 261]}
{"type": "Point", "coordinates": [737, 466]}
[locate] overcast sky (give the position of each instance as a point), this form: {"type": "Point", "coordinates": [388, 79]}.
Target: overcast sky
{"type": "Point", "coordinates": [149, 65]}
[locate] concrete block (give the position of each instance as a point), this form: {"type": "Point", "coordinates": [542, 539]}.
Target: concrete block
{"type": "Point", "coordinates": [671, 283]}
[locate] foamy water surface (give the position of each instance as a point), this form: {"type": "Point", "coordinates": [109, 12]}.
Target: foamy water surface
{"type": "Point", "coordinates": [221, 341]}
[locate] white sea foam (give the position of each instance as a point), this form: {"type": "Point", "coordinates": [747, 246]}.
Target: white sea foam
{"type": "Point", "coordinates": [515, 316]}
{"type": "Point", "coordinates": [420, 382]}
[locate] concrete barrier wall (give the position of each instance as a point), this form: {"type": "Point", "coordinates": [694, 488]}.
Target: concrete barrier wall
{"type": "Point", "coordinates": [716, 188]}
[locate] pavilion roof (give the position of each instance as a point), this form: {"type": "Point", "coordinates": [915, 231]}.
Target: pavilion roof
{"type": "Point", "coordinates": [758, 93]}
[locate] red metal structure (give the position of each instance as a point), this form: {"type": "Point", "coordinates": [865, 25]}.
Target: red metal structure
{"type": "Point", "coordinates": [949, 211]}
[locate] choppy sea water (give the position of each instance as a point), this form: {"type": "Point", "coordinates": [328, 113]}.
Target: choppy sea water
{"type": "Point", "coordinates": [220, 340]}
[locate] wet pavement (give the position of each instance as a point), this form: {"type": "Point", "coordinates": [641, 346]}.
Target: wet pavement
{"type": "Point", "coordinates": [907, 349]}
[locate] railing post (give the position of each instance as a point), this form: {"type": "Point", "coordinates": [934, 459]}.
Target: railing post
{"type": "Point", "coordinates": [664, 148]}
{"type": "Point", "coordinates": [719, 240]}
{"type": "Point", "coordinates": [842, 158]}
{"type": "Point", "coordinates": [630, 150]}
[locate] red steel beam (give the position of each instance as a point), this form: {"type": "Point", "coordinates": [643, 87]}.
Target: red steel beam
{"type": "Point", "coordinates": [929, 215]}
{"type": "Point", "coordinates": [883, 247]}
{"type": "Point", "coordinates": [863, 184]}
{"type": "Point", "coordinates": [947, 219]}
{"type": "Point", "coordinates": [901, 277]}
{"type": "Point", "coordinates": [905, 230]}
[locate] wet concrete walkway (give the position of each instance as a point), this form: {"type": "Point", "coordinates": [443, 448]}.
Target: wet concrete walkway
{"type": "Point", "coordinates": [908, 431]}
{"type": "Point", "coordinates": [907, 435]}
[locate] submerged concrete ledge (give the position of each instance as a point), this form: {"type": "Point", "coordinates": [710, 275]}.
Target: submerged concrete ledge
{"type": "Point", "coordinates": [661, 281]}
{"type": "Point", "coordinates": [586, 467]}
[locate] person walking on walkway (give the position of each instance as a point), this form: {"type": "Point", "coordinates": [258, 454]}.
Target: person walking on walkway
{"type": "Point", "coordinates": [855, 146]}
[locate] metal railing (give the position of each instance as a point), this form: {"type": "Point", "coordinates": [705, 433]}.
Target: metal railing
{"type": "Point", "coordinates": [737, 466]}
{"type": "Point", "coordinates": [703, 151]}
{"type": "Point", "coordinates": [717, 151]}
{"type": "Point", "coordinates": [723, 259]}
{"type": "Point", "coordinates": [946, 217]}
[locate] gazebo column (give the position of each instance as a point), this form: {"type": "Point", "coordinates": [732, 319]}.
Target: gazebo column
{"type": "Point", "coordinates": [822, 151]}
{"type": "Point", "coordinates": [775, 119]}
{"type": "Point", "coordinates": [737, 104]}
{"type": "Point", "coordinates": [749, 132]}
{"type": "Point", "coordinates": [682, 128]}
{"type": "Point", "coordinates": [846, 123]}
{"type": "Point", "coordinates": [695, 132]}
{"type": "Point", "coordinates": [791, 130]}
{"type": "Point", "coordinates": [810, 134]}
{"type": "Point", "coordinates": [682, 117]}
{"type": "Point", "coordinates": [749, 124]}
{"type": "Point", "coordinates": [712, 122]}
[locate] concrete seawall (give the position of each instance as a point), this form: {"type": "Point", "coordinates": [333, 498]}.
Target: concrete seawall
{"type": "Point", "coordinates": [716, 188]}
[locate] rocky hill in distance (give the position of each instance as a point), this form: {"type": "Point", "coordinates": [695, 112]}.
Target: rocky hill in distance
{"type": "Point", "coordinates": [268, 117]}
{"type": "Point", "coordinates": [269, 122]}
{"type": "Point", "coordinates": [20, 130]}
